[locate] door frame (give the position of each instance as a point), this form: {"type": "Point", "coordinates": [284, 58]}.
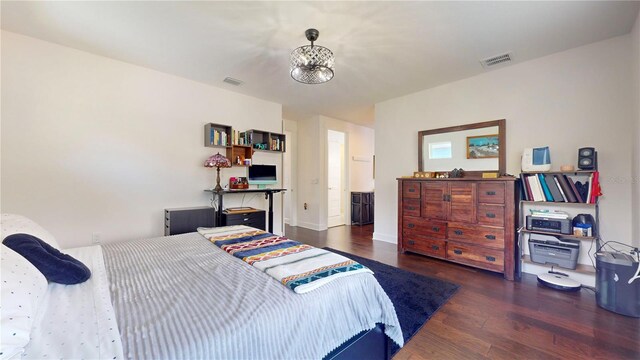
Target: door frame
{"type": "Point", "coordinates": [291, 168]}
{"type": "Point", "coordinates": [344, 185]}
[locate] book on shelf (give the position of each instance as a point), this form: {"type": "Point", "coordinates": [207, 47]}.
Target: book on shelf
{"type": "Point", "coordinates": [536, 188]}
{"type": "Point", "coordinates": [564, 197]}
{"type": "Point", "coordinates": [545, 188]}
{"type": "Point", "coordinates": [525, 189]}
{"type": "Point", "coordinates": [560, 187]}
{"type": "Point", "coordinates": [553, 188]}
{"type": "Point", "coordinates": [575, 189]}
{"type": "Point", "coordinates": [564, 184]}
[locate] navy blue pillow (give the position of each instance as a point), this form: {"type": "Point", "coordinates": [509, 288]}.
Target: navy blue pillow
{"type": "Point", "coordinates": [54, 265]}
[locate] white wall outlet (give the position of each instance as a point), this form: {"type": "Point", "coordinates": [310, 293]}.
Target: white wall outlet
{"type": "Point", "coordinates": [95, 238]}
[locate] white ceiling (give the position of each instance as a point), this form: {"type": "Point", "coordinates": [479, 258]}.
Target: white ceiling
{"type": "Point", "coordinates": [383, 49]}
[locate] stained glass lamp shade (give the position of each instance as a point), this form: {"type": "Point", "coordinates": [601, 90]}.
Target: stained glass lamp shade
{"type": "Point", "coordinates": [217, 161]}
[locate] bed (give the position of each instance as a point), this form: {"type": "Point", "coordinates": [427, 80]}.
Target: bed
{"type": "Point", "coordinates": [183, 297]}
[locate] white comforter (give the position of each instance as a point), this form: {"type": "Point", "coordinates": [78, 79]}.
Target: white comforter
{"type": "Point", "coordinates": [182, 297]}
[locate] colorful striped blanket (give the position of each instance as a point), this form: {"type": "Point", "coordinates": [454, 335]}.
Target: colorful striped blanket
{"type": "Point", "coordinates": [299, 267]}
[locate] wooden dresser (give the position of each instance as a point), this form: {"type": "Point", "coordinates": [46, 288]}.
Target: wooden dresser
{"type": "Point", "coordinates": [469, 221]}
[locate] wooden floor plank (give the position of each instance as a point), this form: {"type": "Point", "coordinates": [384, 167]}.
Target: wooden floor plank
{"type": "Point", "coordinates": [491, 318]}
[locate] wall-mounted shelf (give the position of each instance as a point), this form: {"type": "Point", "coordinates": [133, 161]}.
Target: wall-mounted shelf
{"type": "Point", "coordinates": [217, 135]}
{"type": "Point", "coordinates": [238, 154]}
{"type": "Point", "coordinates": [240, 146]}
{"type": "Point", "coordinates": [265, 140]}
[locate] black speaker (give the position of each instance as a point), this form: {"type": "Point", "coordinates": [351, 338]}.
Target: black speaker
{"type": "Point", "coordinates": [587, 158]}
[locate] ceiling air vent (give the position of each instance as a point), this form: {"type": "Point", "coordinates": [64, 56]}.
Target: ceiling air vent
{"type": "Point", "coordinates": [497, 60]}
{"type": "Point", "coordinates": [232, 81]}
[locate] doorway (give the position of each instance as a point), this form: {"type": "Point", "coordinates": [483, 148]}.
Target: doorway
{"type": "Point", "coordinates": [336, 178]}
{"type": "Point", "coordinates": [289, 181]}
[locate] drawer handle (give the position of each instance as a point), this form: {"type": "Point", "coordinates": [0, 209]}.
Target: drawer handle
{"type": "Point", "coordinates": [245, 219]}
{"type": "Point", "coordinates": [458, 252]}
{"type": "Point", "coordinates": [491, 193]}
{"type": "Point", "coordinates": [491, 215]}
{"type": "Point", "coordinates": [412, 190]}
{"type": "Point", "coordinates": [435, 247]}
{"type": "Point", "coordinates": [458, 232]}
{"type": "Point", "coordinates": [411, 208]}
{"type": "Point", "coordinates": [436, 229]}
{"type": "Point", "coordinates": [490, 258]}
{"type": "Point", "coordinates": [410, 226]}
{"type": "Point", "coordinates": [411, 242]}
{"type": "Point", "coordinates": [490, 237]}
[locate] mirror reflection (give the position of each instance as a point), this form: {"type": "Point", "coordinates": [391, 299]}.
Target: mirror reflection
{"type": "Point", "coordinates": [477, 147]}
{"type": "Point", "coordinates": [472, 150]}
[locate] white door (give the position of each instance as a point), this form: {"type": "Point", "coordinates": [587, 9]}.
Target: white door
{"type": "Point", "coordinates": [335, 178]}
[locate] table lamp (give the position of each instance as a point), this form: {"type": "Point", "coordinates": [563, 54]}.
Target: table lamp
{"type": "Point", "coordinates": [217, 161]}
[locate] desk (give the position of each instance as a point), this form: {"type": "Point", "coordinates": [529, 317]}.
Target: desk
{"type": "Point", "coordinates": [268, 194]}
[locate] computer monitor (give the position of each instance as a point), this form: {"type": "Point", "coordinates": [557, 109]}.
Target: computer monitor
{"type": "Point", "coordinates": [262, 175]}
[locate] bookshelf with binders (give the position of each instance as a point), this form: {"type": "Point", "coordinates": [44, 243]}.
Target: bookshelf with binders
{"type": "Point", "coordinates": [561, 187]}
{"type": "Point", "coordinates": [561, 192]}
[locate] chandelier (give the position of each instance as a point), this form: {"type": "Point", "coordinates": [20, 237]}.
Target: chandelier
{"type": "Point", "coordinates": [312, 64]}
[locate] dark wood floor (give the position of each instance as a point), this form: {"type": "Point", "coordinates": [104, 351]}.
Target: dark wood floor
{"type": "Point", "coordinates": [492, 318]}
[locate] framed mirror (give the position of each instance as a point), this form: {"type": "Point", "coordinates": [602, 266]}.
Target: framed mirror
{"type": "Point", "coordinates": [476, 148]}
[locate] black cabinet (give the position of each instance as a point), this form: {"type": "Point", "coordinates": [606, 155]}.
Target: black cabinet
{"type": "Point", "coordinates": [253, 218]}
{"type": "Point", "coordinates": [185, 220]}
{"type": "Point", "coordinates": [362, 208]}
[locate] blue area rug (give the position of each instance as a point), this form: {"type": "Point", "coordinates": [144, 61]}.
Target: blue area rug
{"type": "Point", "coordinates": [415, 297]}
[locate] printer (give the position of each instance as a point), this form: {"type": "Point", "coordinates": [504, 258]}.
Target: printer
{"type": "Point", "coordinates": [617, 283]}
{"type": "Point", "coordinates": [548, 249]}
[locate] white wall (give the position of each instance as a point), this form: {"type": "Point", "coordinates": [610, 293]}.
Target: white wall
{"type": "Point", "coordinates": [91, 144]}
{"type": "Point", "coordinates": [576, 98]}
{"type": "Point", "coordinates": [635, 40]}
{"type": "Point", "coordinates": [312, 166]}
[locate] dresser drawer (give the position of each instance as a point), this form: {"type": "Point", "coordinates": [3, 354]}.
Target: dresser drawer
{"type": "Point", "coordinates": [490, 215]}
{"type": "Point", "coordinates": [422, 228]}
{"type": "Point", "coordinates": [411, 207]}
{"type": "Point", "coordinates": [491, 193]}
{"type": "Point", "coordinates": [492, 237]}
{"type": "Point", "coordinates": [426, 246]}
{"type": "Point", "coordinates": [411, 190]}
{"type": "Point", "coordinates": [482, 257]}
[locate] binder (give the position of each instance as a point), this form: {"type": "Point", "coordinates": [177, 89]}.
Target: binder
{"type": "Point", "coordinates": [575, 189]}
{"type": "Point", "coordinates": [525, 188]}
{"type": "Point", "coordinates": [545, 188]}
{"type": "Point", "coordinates": [553, 188]}
{"type": "Point", "coordinates": [555, 178]}
{"type": "Point", "coordinates": [567, 189]}
{"type": "Point", "coordinates": [536, 189]}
